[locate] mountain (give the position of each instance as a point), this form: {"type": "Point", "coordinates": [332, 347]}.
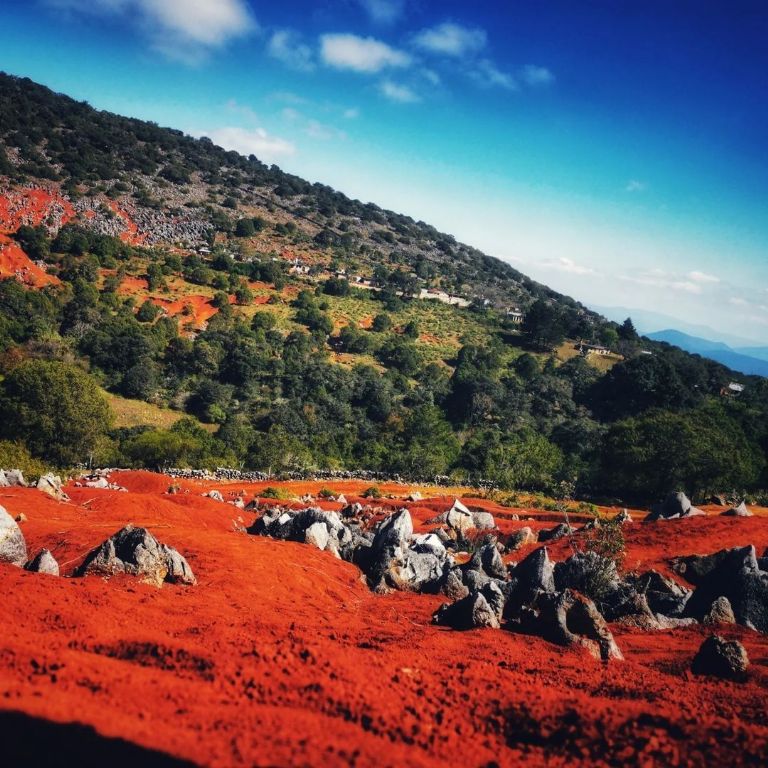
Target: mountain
{"type": "Point", "coordinates": [715, 350]}
{"type": "Point", "coordinates": [192, 307]}
{"type": "Point", "coordinates": [648, 321]}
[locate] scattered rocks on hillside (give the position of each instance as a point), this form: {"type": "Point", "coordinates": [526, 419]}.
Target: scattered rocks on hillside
{"type": "Point", "coordinates": [482, 608]}
{"type": "Point", "coordinates": [13, 547]}
{"type": "Point", "coordinates": [10, 478]}
{"type": "Point", "coordinates": [137, 552]}
{"type": "Point", "coordinates": [720, 612]}
{"type": "Point", "coordinates": [674, 507]}
{"type": "Point", "coordinates": [50, 484]}
{"type": "Point", "coordinates": [99, 480]}
{"type": "Point", "coordinates": [43, 562]}
{"type": "Point", "coordinates": [740, 510]}
{"type": "Point", "coordinates": [721, 658]}
{"type": "Point", "coordinates": [735, 574]}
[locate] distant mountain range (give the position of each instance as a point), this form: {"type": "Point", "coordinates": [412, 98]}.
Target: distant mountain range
{"type": "Point", "coordinates": [748, 360]}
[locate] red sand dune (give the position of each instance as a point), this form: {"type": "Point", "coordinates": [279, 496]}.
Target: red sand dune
{"type": "Point", "coordinates": [14, 263]}
{"type": "Point", "coordinates": [282, 656]}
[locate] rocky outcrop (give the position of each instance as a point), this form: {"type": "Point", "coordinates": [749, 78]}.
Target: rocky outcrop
{"type": "Point", "coordinates": [13, 547]}
{"type": "Point", "coordinates": [10, 478]}
{"type": "Point", "coordinates": [740, 510]}
{"type": "Point", "coordinates": [721, 658]}
{"type": "Point", "coordinates": [137, 552]}
{"type": "Point", "coordinates": [483, 608]}
{"type": "Point", "coordinates": [43, 562]}
{"type": "Point", "coordinates": [720, 612]}
{"type": "Point", "coordinates": [675, 506]}
{"type": "Point", "coordinates": [50, 484]}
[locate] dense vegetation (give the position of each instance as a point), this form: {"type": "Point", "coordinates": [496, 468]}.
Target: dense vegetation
{"type": "Point", "coordinates": [298, 382]}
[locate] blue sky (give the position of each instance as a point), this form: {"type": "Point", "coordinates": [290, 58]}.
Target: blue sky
{"type": "Point", "coordinates": [615, 151]}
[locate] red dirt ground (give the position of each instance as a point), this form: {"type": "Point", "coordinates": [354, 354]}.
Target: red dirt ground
{"type": "Point", "coordinates": [131, 234]}
{"type": "Point", "coordinates": [282, 656]}
{"type": "Point", "coordinates": [31, 207]}
{"type": "Point", "coordinates": [14, 263]}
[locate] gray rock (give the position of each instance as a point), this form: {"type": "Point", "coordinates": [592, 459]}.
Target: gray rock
{"type": "Point", "coordinates": [459, 518]}
{"type": "Point", "coordinates": [568, 618]}
{"type": "Point", "coordinates": [720, 612]}
{"type": "Point", "coordinates": [429, 543]}
{"type": "Point", "coordinates": [475, 579]}
{"type": "Point", "coordinates": [453, 586]}
{"type": "Point", "coordinates": [482, 608]}
{"type": "Point", "coordinates": [740, 510]}
{"type": "Point", "coordinates": [664, 596]}
{"type": "Point", "coordinates": [489, 559]}
{"type": "Point", "coordinates": [675, 506]}
{"type": "Point", "coordinates": [43, 562]}
{"type": "Point", "coordinates": [721, 658]}
{"type": "Point", "coordinates": [558, 532]}
{"type": "Point", "coordinates": [10, 478]}
{"type": "Point", "coordinates": [215, 495]}
{"type": "Point", "coordinates": [419, 572]}
{"type": "Point", "coordinates": [137, 552]}
{"type": "Point", "coordinates": [50, 484]}
{"type": "Point", "coordinates": [521, 538]}
{"type": "Point", "coordinates": [738, 577]}
{"type": "Point", "coordinates": [317, 535]}
{"type": "Point", "coordinates": [483, 521]}
{"type": "Point", "coordinates": [623, 517]}
{"type": "Point", "coordinates": [535, 573]}
{"type": "Point", "coordinates": [13, 547]}
{"type": "Point", "coordinates": [587, 572]}
{"type": "Point", "coordinates": [388, 552]}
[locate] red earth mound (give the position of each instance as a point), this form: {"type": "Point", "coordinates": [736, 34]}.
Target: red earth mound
{"type": "Point", "coordinates": [14, 263]}
{"type": "Point", "coordinates": [281, 655]}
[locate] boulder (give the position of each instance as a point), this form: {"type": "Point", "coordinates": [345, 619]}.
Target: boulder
{"type": "Point", "coordinates": [459, 518]}
{"type": "Point", "coordinates": [569, 618]}
{"type": "Point", "coordinates": [10, 478]}
{"type": "Point", "coordinates": [215, 495]}
{"type": "Point", "coordinates": [351, 510]}
{"type": "Point", "coordinates": [13, 547]}
{"type": "Point", "coordinates": [43, 562]}
{"type": "Point", "coordinates": [721, 658]}
{"type": "Point", "coordinates": [741, 510]}
{"type": "Point", "coordinates": [488, 559]}
{"type": "Point", "coordinates": [535, 573]}
{"type": "Point", "coordinates": [429, 543]}
{"type": "Point", "coordinates": [418, 572]}
{"type": "Point", "coordinates": [558, 532]}
{"type": "Point", "coordinates": [414, 496]}
{"type": "Point", "coordinates": [482, 608]}
{"type": "Point", "coordinates": [736, 576]}
{"type": "Point", "coordinates": [521, 538]}
{"type": "Point", "coordinates": [341, 499]}
{"type": "Point", "coordinates": [137, 552]}
{"type": "Point", "coordinates": [664, 596]}
{"type": "Point", "coordinates": [389, 548]}
{"type": "Point", "coordinates": [674, 506]}
{"type": "Point", "coordinates": [453, 584]}
{"type": "Point", "coordinates": [317, 535]}
{"type": "Point", "coordinates": [720, 612]}
{"type": "Point", "coordinates": [50, 484]}
{"type": "Point", "coordinates": [483, 521]}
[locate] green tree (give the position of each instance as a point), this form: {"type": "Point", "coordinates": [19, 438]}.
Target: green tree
{"type": "Point", "coordinates": [56, 409]}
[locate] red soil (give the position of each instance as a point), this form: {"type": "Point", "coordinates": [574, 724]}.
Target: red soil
{"type": "Point", "coordinates": [14, 263]}
{"type": "Point", "coordinates": [282, 656]}
{"type": "Point", "coordinates": [130, 234]}
{"type": "Point", "coordinates": [31, 207]}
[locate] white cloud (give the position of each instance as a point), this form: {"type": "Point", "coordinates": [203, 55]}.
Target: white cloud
{"type": "Point", "coordinates": [737, 301]}
{"type": "Point", "coordinates": [185, 31]}
{"type": "Point", "coordinates": [536, 77]}
{"type": "Point", "coordinates": [658, 278]}
{"type": "Point", "coordinates": [286, 46]}
{"type": "Point", "coordinates": [351, 113]}
{"type": "Point", "coordinates": [431, 76]}
{"type": "Point", "coordinates": [633, 185]}
{"type": "Point", "coordinates": [489, 75]}
{"type": "Point", "coordinates": [400, 94]}
{"type": "Point", "coordinates": [383, 11]}
{"type": "Point", "coordinates": [360, 54]}
{"type": "Point", "coordinates": [255, 141]}
{"type": "Point", "coordinates": [317, 130]}
{"type": "Point", "coordinates": [564, 264]}
{"type": "Point", "coordinates": [703, 277]}
{"type": "Point", "coordinates": [450, 39]}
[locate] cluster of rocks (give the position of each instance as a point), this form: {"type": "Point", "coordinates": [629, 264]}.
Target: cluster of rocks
{"type": "Point", "coordinates": [677, 505]}
{"type": "Point", "coordinates": [13, 548]}
{"type": "Point", "coordinates": [98, 479]}
{"type": "Point", "coordinates": [11, 478]}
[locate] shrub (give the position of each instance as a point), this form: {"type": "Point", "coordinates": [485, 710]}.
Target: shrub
{"type": "Point", "coordinates": [374, 492]}
{"type": "Point", "coordinates": [16, 456]}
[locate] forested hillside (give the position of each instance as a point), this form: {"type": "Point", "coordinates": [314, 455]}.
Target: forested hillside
{"type": "Point", "coordinates": [270, 323]}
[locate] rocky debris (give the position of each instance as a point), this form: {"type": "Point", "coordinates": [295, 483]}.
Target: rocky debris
{"type": "Point", "coordinates": [99, 479]}
{"type": "Point", "coordinates": [137, 552]}
{"type": "Point", "coordinates": [721, 658]}
{"type": "Point", "coordinates": [43, 562]}
{"type": "Point", "coordinates": [741, 510]}
{"type": "Point", "coordinates": [521, 538]}
{"type": "Point", "coordinates": [569, 618]}
{"type": "Point", "coordinates": [675, 506]}
{"type": "Point", "coordinates": [720, 612]}
{"type": "Point", "coordinates": [215, 495]}
{"type": "Point", "coordinates": [10, 478]}
{"type": "Point", "coordinates": [736, 575]}
{"type": "Point", "coordinates": [352, 510]}
{"type": "Point", "coordinates": [50, 484]}
{"type": "Point", "coordinates": [312, 525]}
{"type": "Point", "coordinates": [488, 559]}
{"type": "Point", "coordinates": [13, 547]}
{"type": "Point", "coordinates": [483, 521]}
{"type": "Point", "coordinates": [482, 608]}
{"type": "Point", "coordinates": [663, 595]}
{"type": "Point", "coordinates": [558, 532]}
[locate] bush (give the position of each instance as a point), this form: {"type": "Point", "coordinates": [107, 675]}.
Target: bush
{"type": "Point", "coordinates": [16, 456]}
{"type": "Point", "coordinates": [374, 492]}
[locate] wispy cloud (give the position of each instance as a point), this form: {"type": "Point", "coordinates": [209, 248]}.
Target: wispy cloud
{"type": "Point", "coordinates": [253, 141]}
{"type": "Point", "coordinates": [400, 94]}
{"type": "Point", "coordinates": [286, 46]}
{"type": "Point", "coordinates": [658, 278]}
{"type": "Point", "coordinates": [383, 11]}
{"type": "Point", "coordinates": [738, 301]}
{"type": "Point", "coordinates": [360, 54]}
{"type": "Point", "coordinates": [634, 185]}
{"type": "Point", "coordinates": [536, 77]}
{"type": "Point", "coordinates": [450, 39]}
{"type": "Point", "coordinates": [184, 31]}
{"type": "Point", "coordinates": [487, 74]}
{"type": "Point", "coordinates": [564, 264]}
{"type": "Point", "coordinates": [703, 277]}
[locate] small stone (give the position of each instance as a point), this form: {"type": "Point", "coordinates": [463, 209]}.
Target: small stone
{"type": "Point", "coordinates": [721, 612]}
{"type": "Point", "coordinates": [718, 657]}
